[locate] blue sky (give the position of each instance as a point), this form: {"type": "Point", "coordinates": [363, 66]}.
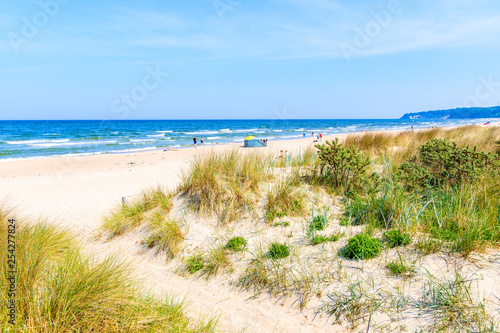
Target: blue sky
{"type": "Point", "coordinates": [208, 59]}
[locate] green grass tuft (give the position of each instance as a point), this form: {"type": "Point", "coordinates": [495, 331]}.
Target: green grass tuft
{"type": "Point", "coordinates": [362, 246]}
{"type": "Point", "coordinates": [284, 200]}
{"type": "Point", "coordinates": [166, 234]}
{"type": "Point", "coordinates": [320, 239]}
{"type": "Point", "coordinates": [395, 238]}
{"type": "Point", "coordinates": [194, 263]}
{"type": "Point", "coordinates": [236, 244]}
{"type": "Point", "coordinates": [278, 251]}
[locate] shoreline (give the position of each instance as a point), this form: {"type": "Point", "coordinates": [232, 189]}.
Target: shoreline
{"type": "Point", "coordinates": [222, 144]}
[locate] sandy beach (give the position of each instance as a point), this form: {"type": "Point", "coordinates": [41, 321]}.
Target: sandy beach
{"type": "Point", "coordinates": [78, 192]}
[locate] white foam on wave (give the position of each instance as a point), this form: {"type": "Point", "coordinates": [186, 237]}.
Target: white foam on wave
{"type": "Point", "coordinates": [30, 142]}
{"type": "Point", "coordinates": [246, 130]}
{"type": "Point", "coordinates": [202, 133]}
{"type": "Point", "coordinates": [277, 131]}
{"type": "Point", "coordinates": [225, 130]}
{"type": "Point", "coordinates": [214, 137]}
{"type": "Point", "coordinates": [156, 135]}
{"type": "Point", "coordinates": [164, 131]}
{"type": "Point", "coordinates": [143, 140]}
{"type": "Point", "coordinates": [66, 144]}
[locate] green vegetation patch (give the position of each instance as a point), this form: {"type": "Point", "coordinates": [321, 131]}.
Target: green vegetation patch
{"type": "Point", "coordinates": [362, 246]}
{"type": "Point", "coordinates": [319, 223]}
{"type": "Point", "coordinates": [395, 238]}
{"type": "Point", "coordinates": [320, 239]}
{"type": "Point", "coordinates": [236, 244]}
{"type": "Point", "coordinates": [194, 263]}
{"type": "Point", "coordinates": [278, 251]}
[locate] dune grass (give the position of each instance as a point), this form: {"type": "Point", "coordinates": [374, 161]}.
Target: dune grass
{"type": "Point", "coordinates": [284, 199]}
{"type": "Point", "coordinates": [222, 184]}
{"type": "Point", "coordinates": [59, 289]}
{"type": "Point", "coordinates": [165, 234]}
{"type": "Point", "coordinates": [407, 143]}
{"type": "Point", "coordinates": [217, 262]}
{"type": "Point", "coordinates": [135, 213]}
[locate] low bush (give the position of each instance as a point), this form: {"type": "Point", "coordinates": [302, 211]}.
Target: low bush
{"type": "Point", "coordinates": [440, 162]}
{"type": "Point", "coordinates": [341, 166]}
{"type": "Point", "coordinates": [236, 244]}
{"type": "Point", "coordinates": [278, 251]}
{"type": "Point", "coordinates": [362, 246]}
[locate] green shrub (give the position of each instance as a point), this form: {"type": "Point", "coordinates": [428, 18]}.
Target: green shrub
{"type": "Point", "coordinates": [340, 166]}
{"type": "Point", "coordinates": [281, 224]}
{"type": "Point", "coordinates": [278, 251]}
{"type": "Point", "coordinates": [362, 246]}
{"type": "Point", "coordinates": [195, 263]}
{"type": "Point", "coordinates": [440, 162]}
{"type": "Point", "coordinates": [395, 238]}
{"type": "Point", "coordinates": [236, 244]}
{"type": "Point", "coordinates": [498, 147]}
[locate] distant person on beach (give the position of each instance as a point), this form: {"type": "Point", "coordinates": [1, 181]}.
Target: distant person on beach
{"type": "Point", "coordinates": [320, 137]}
{"type": "Point", "coordinates": [194, 141]}
{"type": "Point", "coordinates": [412, 128]}
{"type": "Point", "coordinates": [281, 154]}
{"type": "Point", "coordinates": [304, 135]}
{"type": "Point", "coordinates": [312, 134]}
{"type": "Point", "coordinates": [201, 140]}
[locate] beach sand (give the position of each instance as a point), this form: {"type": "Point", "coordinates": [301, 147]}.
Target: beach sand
{"type": "Point", "coordinates": [78, 192]}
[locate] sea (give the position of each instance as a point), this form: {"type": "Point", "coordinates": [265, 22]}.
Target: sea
{"type": "Point", "coordinates": [37, 139]}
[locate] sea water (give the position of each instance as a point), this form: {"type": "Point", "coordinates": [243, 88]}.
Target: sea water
{"type": "Point", "coordinates": [35, 139]}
